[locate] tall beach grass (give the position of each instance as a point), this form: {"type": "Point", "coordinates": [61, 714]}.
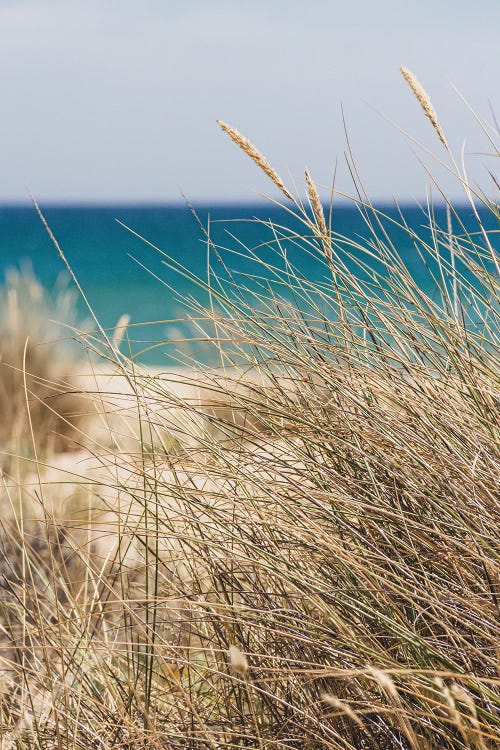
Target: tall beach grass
{"type": "Point", "coordinates": [298, 548]}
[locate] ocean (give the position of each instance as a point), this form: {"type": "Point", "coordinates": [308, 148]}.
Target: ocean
{"type": "Point", "coordinates": [121, 274]}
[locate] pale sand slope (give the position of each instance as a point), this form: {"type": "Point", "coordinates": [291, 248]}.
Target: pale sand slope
{"type": "Point", "coordinates": [127, 414]}
{"type": "Point", "coordinates": [169, 404]}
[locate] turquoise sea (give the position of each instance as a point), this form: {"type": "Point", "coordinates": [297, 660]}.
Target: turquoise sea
{"type": "Point", "coordinates": [121, 274]}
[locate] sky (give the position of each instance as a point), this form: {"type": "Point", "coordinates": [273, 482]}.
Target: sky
{"type": "Point", "coordinates": [117, 100]}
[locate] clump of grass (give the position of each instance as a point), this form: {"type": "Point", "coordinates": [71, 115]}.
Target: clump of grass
{"type": "Point", "coordinates": [37, 363]}
{"type": "Point", "coordinates": [319, 566]}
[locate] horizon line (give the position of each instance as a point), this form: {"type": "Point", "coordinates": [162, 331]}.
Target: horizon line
{"type": "Point", "coordinates": [205, 203]}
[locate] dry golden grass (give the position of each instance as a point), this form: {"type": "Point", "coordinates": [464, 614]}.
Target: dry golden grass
{"type": "Point", "coordinates": [37, 399]}
{"type": "Point", "coordinates": [299, 551]}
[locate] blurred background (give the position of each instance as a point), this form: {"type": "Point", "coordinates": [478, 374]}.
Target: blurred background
{"type": "Point", "coordinates": [110, 109]}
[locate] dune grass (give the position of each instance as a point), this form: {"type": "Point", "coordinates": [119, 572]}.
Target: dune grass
{"type": "Point", "coordinates": [303, 552]}
{"type": "Point", "coordinates": [37, 359]}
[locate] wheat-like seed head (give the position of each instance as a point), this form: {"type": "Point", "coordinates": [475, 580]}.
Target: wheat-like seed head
{"type": "Point", "coordinates": [385, 683]}
{"type": "Point", "coordinates": [120, 330]}
{"type": "Point", "coordinates": [343, 707]}
{"type": "Point", "coordinates": [238, 660]}
{"type": "Point", "coordinates": [425, 103]}
{"type": "Point", "coordinates": [319, 215]}
{"type": "Point", "coordinates": [391, 692]}
{"type": "Point", "coordinates": [316, 204]}
{"type": "Point", "coordinates": [454, 713]}
{"type": "Point", "coordinates": [256, 156]}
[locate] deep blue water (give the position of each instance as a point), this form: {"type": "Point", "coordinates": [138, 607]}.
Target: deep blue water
{"type": "Point", "coordinates": [99, 249]}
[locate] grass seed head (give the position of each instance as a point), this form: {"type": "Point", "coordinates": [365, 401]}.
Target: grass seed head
{"type": "Point", "coordinates": [255, 156]}
{"type": "Point", "coordinates": [238, 660]}
{"type": "Point", "coordinates": [319, 215]}
{"type": "Point", "coordinates": [342, 707]}
{"type": "Point", "coordinates": [425, 103]}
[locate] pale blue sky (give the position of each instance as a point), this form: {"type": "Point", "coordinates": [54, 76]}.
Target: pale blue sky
{"type": "Point", "coordinates": [116, 100]}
